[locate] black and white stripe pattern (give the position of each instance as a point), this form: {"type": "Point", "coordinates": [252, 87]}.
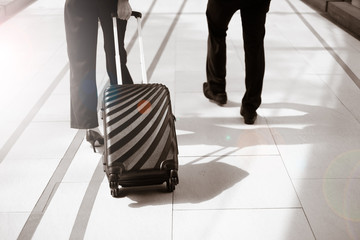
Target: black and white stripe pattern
{"type": "Point", "coordinates": [140, 133]}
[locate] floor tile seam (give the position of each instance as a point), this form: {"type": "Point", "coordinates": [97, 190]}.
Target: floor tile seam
{"type": "Point", "coordinates": [327, 84]}
{"type": "Point", "coordinates": [85, 209]}
{"type": "Point", "coordinates": [326, 46]}
{"type": "Point", "coordinates": [342, 102]}
{"type": "Point", "coordinates": [171, 13]}
{"type": "Point", "coordinates": [291, 180]}
{"type": "Point", "coordinates": [15, 212]}
{"type": "Point", "coordinates": [320, 49]}
{"type": "Point", "coordinates": [164, 42]}
{"type": "Point", "coordinates": [291, 12]}
{"type": "Point", "coordinates": [50, 121]}
{"type": "Point", "coordinates": [172, 215]}
{"type": "Point", "coordinates": [34, 158]}
{"type": "Point", "coordinates": [327, 178]}
{"type": "Point", "coordinates": [15, 6]}
{"type": "Point", "coordinates": [229, 155]}
{"type": "Point", "coordinates": [57, 54]}
{"type": "Point", "coordinates": [79, 182]}
{"type": "Point", "coordinates": [203, 13]}
{"type": "Point", "coordinates": [345, 133]}
{"type": "Point", "coordinates": [238, 51]}
{"type": "Point", "coordinates": [234, 209]}
{"type": "Point", "coordinates": [50, 190]}
{"type": "Point", "coordinates": [83, 216]}
{"type": "Point", "coordinates": [32, 114]}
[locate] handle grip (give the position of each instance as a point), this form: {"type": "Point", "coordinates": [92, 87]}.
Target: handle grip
{"type": "Point", "coordinates": [136, 14]}
{"type": "Point", "coordinates": [138, 17]}
{"type": "Point", "coordinates": [133, 14]}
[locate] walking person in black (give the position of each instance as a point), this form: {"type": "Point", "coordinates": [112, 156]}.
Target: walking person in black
{"type": "Point", "coordinates": [253, 16]}
{"type": "Point", "coordinates": [81, 27]}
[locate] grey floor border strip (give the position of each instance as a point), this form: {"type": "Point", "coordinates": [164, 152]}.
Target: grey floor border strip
{"type": "Point", "coordinates": [337, 58]}
{"type": "Point", "coordinates": [30, 116]}
{"type": "Point", "coordinates": [332, 52]}
{"type": "Point", "coordinates": [83, 216]}
{"type": "Point", "coordinates": [79, 228]}
{"type": "Point", "coordinates": [129, 46]}
{"type": "Point", "coordinates": [161, 49]}
{"type": "Point", "coordinates": [144, 20]}
{"type": "Point", "coordinates": [37, 213]}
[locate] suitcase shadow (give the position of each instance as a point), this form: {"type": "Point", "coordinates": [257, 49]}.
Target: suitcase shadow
{"type": "Point", "coordinates": [205, 181]}
{"type": "Point", "coordinates": [199, 182]}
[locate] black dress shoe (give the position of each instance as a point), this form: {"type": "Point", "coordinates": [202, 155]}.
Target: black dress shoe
{"type": "Point", "coordinates": [219, 98]}
{"type": "Point", "coordinates": [249, 118]}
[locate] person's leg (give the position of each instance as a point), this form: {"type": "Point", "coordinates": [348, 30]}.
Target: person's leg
{"type": "Point", "coordinates": [107, 26]}
{"type": "Point", "coordinates": [121, 29]}
{"type": "Point", "coordinates": [81, 25]}
{"type": "Point", "coordinates": [218, 16]}
{"type": "Point", "coordinates": [253, 24]}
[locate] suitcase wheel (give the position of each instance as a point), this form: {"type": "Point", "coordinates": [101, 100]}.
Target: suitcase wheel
{"type": "Point", "coordinates": [172, 181]}
{"type": "Point", "coordinates": [115, 192]}
{"type": "Point", "coordinates": [114, 185]}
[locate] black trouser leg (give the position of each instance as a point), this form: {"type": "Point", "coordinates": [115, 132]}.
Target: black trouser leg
{"type": "Point", "coordinates": [106, 21]}
{"type": "Point", "coordinates": [253, 24]}
{"type": "Point", "coordinates": [218, 17]}
{"type": "Point", "coordinates": [81, 26]}
{"type": "Point", "coordinates": [109, 42]}
{"type": "Point", "coordinates": [125, 74]}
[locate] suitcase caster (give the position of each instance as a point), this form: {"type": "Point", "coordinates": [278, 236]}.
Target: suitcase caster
{"type": "Point", "coordinates": [115, 192]}
{"type": "Point", "coordinates": [172, 181]}
{"type": "Point", "coordinates": [114, 185]}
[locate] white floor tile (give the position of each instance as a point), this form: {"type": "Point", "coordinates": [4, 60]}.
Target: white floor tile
{"type": "Point", "coordinates": [346, 90]}
{"type": "Point", "coordinates": [204, 127]}
{"type": "Point", "coordinates": [6, 132]}
{"type": "Point", "coordinates": [311, 156]}
{"type": "Point", "coordinates": [228, 136]}
{"type": "Point", "coordinates": [276, 224]}
{"type": "Point", "coordinates": [61, 213]}
{"type": "Point", "coordinates": [233, 182]}
{"type": "Point", "coordinates": [84, 164]}
{"type": "Point", "coordinates": [43, 140]}
{"type": "Point", "coordinates": [57, 108]}
{"type": "Point", "coordinates": [21, 178]}
{"type": "Point", "coordinates": [11, 224]}
{"type": "Point", "coordinates": [292, 175]}
{"type": "Point", "coordinates": [331, 206]}
{"type": "Point", "coordinates": [142, 214]}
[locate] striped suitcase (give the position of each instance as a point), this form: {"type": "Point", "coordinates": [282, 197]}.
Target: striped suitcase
{"type": "Point", "coordinates": [139, 131]}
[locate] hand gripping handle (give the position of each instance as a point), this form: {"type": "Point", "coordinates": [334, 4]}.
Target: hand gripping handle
{"type": "Point", "coordinates": [136, 14]}
{"type": "Point", "coordinates": [138, 17]}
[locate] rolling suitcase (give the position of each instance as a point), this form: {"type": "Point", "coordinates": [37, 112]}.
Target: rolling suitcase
{"type": "Point", "coordinates": [139, 133]}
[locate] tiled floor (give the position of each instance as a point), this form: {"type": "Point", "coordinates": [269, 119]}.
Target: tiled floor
{"type": "Point", "coordinates": [295, 174]}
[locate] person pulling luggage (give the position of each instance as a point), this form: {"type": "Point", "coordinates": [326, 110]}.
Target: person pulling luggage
{"type": "Point", "coordinates": [106, 13]}
{"type": "Point", "coordinates": [81, 28]}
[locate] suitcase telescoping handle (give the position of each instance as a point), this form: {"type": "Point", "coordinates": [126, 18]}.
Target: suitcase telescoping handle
{"type": "Point", "coordinates": [138, 17]}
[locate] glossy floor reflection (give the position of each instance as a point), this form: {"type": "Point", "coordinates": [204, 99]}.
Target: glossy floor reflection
{"type": "Point", "coordinates": [292, 175]}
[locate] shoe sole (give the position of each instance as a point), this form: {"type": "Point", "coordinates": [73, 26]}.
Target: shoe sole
{"type": "Point", "coordinates": [220, 103]}
{"type": "Point", "coordinates": [247, 120]}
